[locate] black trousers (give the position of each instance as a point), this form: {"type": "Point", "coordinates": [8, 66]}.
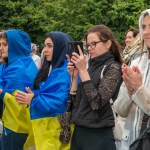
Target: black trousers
{"type": "Point", "coordinates": [92, 139]}
{"type": "Point", "coordinates": [13, 141]}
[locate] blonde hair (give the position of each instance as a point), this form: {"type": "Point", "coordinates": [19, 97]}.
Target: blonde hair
{"type": "Point", "coordinates": [143, 14]}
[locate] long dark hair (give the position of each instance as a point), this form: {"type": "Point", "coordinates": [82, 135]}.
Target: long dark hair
{"type": "Point", "coordinates": [105, 34]}
{"type": "Point", "coordinates": [43, 72]}
{"type": "Point", "coordinates": [60, 48]}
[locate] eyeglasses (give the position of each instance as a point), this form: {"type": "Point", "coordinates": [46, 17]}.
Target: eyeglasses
{"type": "Point", "coordinates": [92, 45]}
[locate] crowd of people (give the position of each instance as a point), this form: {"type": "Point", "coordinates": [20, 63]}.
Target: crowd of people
{"type": "Point", "coordinates": [93, 100]}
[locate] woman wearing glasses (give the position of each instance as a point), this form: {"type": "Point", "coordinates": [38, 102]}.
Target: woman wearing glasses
{"type": "Point", "coordinates": [92, 113]}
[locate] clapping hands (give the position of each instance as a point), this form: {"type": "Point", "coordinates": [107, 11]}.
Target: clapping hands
{"type": "Point", "coordinates": [132, 78]}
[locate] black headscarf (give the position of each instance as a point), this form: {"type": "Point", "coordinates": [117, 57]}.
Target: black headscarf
{"type": "Point", "coordinates": [60, 42]}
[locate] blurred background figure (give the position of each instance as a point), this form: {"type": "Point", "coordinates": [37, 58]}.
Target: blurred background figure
{"type": "Point", "coordinates": [132, 45]}
{"type": "Point", "coordinates": [35, 57]}
{"type": "Point", "coordinates": [35, 48]}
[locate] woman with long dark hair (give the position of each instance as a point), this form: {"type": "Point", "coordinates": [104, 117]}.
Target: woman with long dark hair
{"type": "Point", "coordinates": [100, 82]}
{"type": "Point", "coordinates": [49, 98]}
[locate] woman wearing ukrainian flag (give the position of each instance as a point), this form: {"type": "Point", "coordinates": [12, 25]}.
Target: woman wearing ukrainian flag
{"type": "Point", "coordinates": [49, 99]}
{"type": "Point", "coordinates": [16, 72]}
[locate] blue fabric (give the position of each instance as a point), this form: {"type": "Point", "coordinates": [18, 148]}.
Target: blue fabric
{"type": "Point", "coordinates": [19, 75]}
{"type": "Point", "coordinates": [2, 68]}
{"type": "Point", "coordinates": [19, 45]}
{"type": "Point", "coordinates": [21, 69]}
{"type": "Point", "coordinates": [52, 96]}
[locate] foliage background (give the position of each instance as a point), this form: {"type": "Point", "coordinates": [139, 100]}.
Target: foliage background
{"type": "Point", "coordinates": [74, 17]}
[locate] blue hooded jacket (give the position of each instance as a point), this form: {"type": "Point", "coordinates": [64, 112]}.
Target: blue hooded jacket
{"type": "Point", "coordinates": [21, 70]}
{"type": "Point", "coordinates": [52, 96]}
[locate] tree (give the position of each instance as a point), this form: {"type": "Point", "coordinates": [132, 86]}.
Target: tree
{"type": "Point", "coordinates": [71, 16]}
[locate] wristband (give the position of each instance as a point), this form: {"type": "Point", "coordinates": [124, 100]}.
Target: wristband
{"type": "Point", "coordinates": [73, 92]}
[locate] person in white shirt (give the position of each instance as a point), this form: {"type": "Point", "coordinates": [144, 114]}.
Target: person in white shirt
{"type": "Point", "coordinates": [134, 96]}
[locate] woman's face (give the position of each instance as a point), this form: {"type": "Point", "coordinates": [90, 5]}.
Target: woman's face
{"type": "Point", "coordinates": [95, 46]}
{"type": "Point", "coordinates": [146, 30]}
{"type": "Point", "coordinates": [48, 49]}
{"type": "Point", "coordinates": [129, 38]}
{"type": "Point", "coordinates": [3, 48]}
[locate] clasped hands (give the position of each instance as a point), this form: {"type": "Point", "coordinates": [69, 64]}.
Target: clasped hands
{"type": "Point", "coordinates": [24, 98]}
{"type": "Point", "coordinates": [132, 78]}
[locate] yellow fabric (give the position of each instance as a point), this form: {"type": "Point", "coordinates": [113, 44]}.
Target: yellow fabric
{"type": "Point", "coordinates": [43, 133]}
{"type": "Point", "coordinates": [30, 142]}
{"type": "Point", "coordinates": [46, 134]}
{"type": "Point", "coordinates": [15, 116]}
{"type": "Point", "coordinates": [1, 122]}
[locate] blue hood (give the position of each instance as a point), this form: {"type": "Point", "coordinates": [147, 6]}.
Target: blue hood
{"type": "Point", "coordinates": [19, 45]}
{"type": "Point", "coordinates": [21, 69]}
{"type": "Point", "coordinates": [51, 98]}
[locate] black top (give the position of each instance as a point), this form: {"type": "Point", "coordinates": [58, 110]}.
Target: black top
{"type": "Point", "coordinates": [92, 105]}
